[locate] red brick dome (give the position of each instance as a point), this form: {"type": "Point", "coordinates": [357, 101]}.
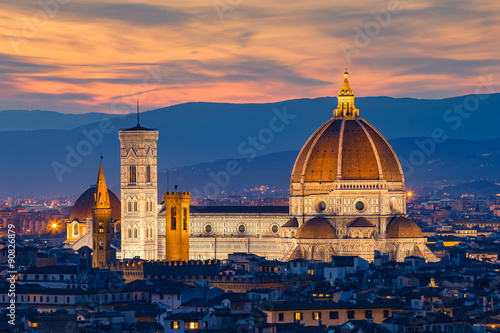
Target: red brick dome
{"type": "Point", "coordinates": [401, 227]}
{"type": "Point", "coordinates": [317, 228]}
{"type": "Point", "coordinates": [82, 209]}
{"type": "Point", "coordinates": [346, 147]}
{"type": "Point", "coordinates": [350, 148]}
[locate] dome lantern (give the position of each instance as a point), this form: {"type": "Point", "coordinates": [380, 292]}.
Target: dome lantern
{"type": "Point", "coordinates": [345, 107]}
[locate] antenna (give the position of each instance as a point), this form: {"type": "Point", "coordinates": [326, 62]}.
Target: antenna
{"type": "Point", "coordinates": [138, 113]}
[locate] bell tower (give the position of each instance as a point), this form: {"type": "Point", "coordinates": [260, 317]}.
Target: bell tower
{"type": "Point", "coordinates": [177, 225]}
{"type": "Point", "coordinates": [139, 192]}
{"type": "Point", "coordinates": [101, 222]}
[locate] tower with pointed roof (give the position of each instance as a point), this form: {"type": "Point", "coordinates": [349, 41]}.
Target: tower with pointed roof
{"type": "Point", "coordinates": [101, 222]}
{"type": "Point", "coordinates": [139, 192]}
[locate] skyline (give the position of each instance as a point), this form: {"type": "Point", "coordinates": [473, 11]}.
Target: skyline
{"type": "Point", "coordinates": [101, 56]}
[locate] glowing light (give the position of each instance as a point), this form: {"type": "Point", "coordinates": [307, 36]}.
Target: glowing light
{"type": "Point", "coordinates": [409, 194]}
{"type": "Point", "coordinates": [54, 225]}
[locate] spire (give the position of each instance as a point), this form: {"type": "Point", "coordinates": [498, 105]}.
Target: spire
{"type": "Point", "coordinates": [345, 107]}
{"type": "Point", "coordinates": [101, 196]}
{"type": "Point", "coordinates": [138, 124]}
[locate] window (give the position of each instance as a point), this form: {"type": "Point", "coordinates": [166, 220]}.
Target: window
{"type": "Point", "coordinates": [132, 174]}
{"type": "Point", "coordinates": [193, 325]}
{"type": "Point", "coordinates": [148, 173]}
{"type": "Point", "coordinates": [350, 314]}
{"type": "Point", "coordinates": [55, 299]}
{"type": "Point", "coordinates": [130, 206]}
{"type": "Point", "coordinates": [281, 316]}
{"type": "Point", "coordinates": [334, 315]}
{"type": "Point", "coordinates": [174, 325]}
{"type": "Point", "coordinates": [184, 219]}
{"type": "Point", "coordinates": [75, 230]}
{"type": "Point", "coordinates": [135, 206]}
{"type": "Point", "coordinates": [316, 315]}
{"type": "Point", "coordinates": [298, 316]}
{"type": "Point", "coordinates": [368, 314]}
{"type": "Point", "coordinates": [67, 299]}
{"type": "Point", "coordinates": [386, 313]}
{"type": "Point", "coordinates": [129, 232]}
{"type": "Point", "coordinates": [135, 232]}
{"type": "Point", "coordinates": [101, 245]}
{"type": "Point", "coordinates": [173, 218]}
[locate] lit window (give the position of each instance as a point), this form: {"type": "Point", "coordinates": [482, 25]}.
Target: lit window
{"type": "Point", "coordinates": [175, 325]}
{"type": "Point", "coordinates": [298, 315]}
{"type": "Point", "coordinates": [193, 325]}
{"type": "Point", "coordinates": [316, 315]}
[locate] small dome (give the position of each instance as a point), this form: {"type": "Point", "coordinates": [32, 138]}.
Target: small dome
{"type": "Point", "coordinates": [360, 222]}
{"type": "Point", "coordinates": [82, 208]}
{"type": "Point", "coordinates": [401, 227]}
{"type": "Point", "coordinates": [317, 228]}
{"type": "Point", "coordinates": [291, 223]}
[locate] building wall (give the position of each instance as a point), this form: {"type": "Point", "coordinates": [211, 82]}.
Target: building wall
{"type": "Point", "coordinates": [308, 319]}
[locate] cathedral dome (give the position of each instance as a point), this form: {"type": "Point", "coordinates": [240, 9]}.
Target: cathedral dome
{"type": "Point", "coordinates": [317, 228]}
{"type": "Point", "coordinates": [346, 147]}
{"type": "Point", "coordinates": [82, 208]}
{"type": "Point", "coordinates": [401, 227]}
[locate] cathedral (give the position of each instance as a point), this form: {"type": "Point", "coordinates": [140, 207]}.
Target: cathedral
{"type": "Point", "coordinates": [347, 197]}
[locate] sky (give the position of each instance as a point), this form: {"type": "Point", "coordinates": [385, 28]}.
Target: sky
{"type": "Point", "coordinates": [76, 56]}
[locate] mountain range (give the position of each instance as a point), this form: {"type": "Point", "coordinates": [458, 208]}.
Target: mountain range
{"type": "Point", "coordinates": [49, 153]}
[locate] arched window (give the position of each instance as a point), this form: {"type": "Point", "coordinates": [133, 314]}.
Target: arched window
{"type": "Point", "coordinates": [132, 173]}
{"type": "Point", "coordinates": [135, 206]}
{"type": "Point", "coordinates": [129, 232]}
{"type": "Point", "coordinates": [148, 173]}
{"type": "Point", "coordinates": [135, 232]}
{"type": "Point", "coordinates": [101, 245]}
{"type": "Point", "coordinates": [75, 229]}
{"type": "Point", "coordinates": [173, 218]}
{"type": "Point", "coordinates": [101, 227]}
{"type": "Point", "coordinates": [184, 219]}
{"type": "Point", "coordinates": [147, 232]}
{"type": "Point", "coordinates": [130, 206]}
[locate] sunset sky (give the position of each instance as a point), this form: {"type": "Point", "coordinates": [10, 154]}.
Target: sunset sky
{"type": "Point", "coordinates": [78, 56]}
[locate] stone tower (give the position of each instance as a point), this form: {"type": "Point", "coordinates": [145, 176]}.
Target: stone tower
{"type": "Point", "coordinates": [139, 192]}
{"type": "Point", "coordinates": [101, 222]}
{"type": "Point", "coordinates": [177, 225]}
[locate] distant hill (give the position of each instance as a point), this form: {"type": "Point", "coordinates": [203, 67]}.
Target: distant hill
{"type": "Point", "coordinates": [195, 133]}
{"type": "Point", "coordinates": [23, 120]}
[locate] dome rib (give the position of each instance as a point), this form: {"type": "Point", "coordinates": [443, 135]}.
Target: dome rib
{"type": "Point", "coordinates": [391, 168]}
{"type": "Point", "coordinates": [375, 151]}
{"type": "Point", "coordinates": [300, 162]}
{"type": "Point", "coordinates": [358, 158]}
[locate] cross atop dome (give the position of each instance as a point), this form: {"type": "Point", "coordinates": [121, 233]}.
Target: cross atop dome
{"type": "Point", "coordinates": [345, 107]}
